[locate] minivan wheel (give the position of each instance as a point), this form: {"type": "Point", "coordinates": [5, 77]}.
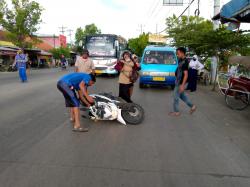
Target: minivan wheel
{"type": "Point", "coordinates": [142, 85]}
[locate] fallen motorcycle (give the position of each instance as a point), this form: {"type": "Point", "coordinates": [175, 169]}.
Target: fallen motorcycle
{"type": "Point", "coordinates": [108, 107]}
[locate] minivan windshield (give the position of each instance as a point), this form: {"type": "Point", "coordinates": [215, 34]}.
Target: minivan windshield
{"type": "Point", "coordinates": [159, 57]}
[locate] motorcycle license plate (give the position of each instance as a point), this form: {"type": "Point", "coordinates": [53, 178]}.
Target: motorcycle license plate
{"type": "Point", "coordinates": [98, 71]}
{"type": "Point", "coordinates": [159, 79]}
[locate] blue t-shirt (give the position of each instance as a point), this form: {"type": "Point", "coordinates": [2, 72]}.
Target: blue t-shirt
{"type": "Point", "coordinates": [74, 79]}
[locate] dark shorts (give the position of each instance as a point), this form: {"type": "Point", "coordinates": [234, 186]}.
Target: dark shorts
{"type": "Point", "coordinates": [70, 96]}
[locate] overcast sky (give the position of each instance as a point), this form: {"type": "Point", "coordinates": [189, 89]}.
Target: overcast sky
{"type": "Point", "coordinates": [122, 17]}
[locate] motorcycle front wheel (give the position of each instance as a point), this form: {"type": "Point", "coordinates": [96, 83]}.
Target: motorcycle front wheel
{"type": "Point", "coordinates": [132, 113]}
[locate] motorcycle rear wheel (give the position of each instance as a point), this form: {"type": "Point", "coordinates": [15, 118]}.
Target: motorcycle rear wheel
{"type": "Point", "coordinates": [132, 113]}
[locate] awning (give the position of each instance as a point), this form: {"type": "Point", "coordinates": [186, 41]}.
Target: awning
{"type": "Point", "coordinates": [242, 60]}
{"type": "Point", "coordinates": [44, 53]}
{"type": "Point", "coordinates": [6, 43]}
{"type": "Point", "coordinates": [235, 11]}
{"type": "Point", "coordinates": [7, 51]}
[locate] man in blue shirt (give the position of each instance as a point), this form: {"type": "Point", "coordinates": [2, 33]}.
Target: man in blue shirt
{"type": "Point", "coordinates": [69, 85]}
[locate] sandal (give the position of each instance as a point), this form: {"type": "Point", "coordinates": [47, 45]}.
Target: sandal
{"type": "Point", "coordinates": [175, 114]}
{"type": "Point", "coordinates": [80, 129]}
{"type": "Point", "coordinates": [193, 109]}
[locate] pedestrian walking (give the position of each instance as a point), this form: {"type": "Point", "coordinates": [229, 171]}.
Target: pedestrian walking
{"type": "Point", "coordinates": [128, 68]}
{"type": "Point", "coordinates": [194, 67]}
{"type": "Point", "coordinates": [20, 64]}
{"type": "Point", "coordinates": [84, 64]}
{"type": "Point", "coordinates": [181, 83]}
{"type": "Point", "coordinates": [68, 85]}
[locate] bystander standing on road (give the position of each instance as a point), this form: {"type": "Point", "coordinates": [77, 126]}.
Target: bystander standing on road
{"type": "Point", "coordinates": [20, 63]}
{"type": "Point", "coordinates": [63, 62]}
{"type": "Point", "coordinates": [181, 83]}
{"type": "Point", "coordinates": [84, 64]}
{"type": "Point", "coordinates": [194, 67]}
{"type": "Point", "coordinates": [127, 66]}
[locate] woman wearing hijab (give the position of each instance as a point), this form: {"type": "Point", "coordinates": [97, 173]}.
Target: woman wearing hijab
{"type": "Point", "coordinates": [20, 62]}
{"type": "Point", "coordinates": [194, 67]}
{"type": "Point", "coordinates": [126, 66]}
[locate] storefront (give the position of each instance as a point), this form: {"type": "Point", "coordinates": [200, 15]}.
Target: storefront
{"type": "Point", "coordinates": [7, 57]}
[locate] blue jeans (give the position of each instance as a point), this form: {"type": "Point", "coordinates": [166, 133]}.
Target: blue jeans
{"type": "Point", "coordinates": [22, 74]}
{"type": "Point", "coordinates": [182, 96]}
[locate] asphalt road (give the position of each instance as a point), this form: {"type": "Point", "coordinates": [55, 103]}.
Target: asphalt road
{"type": "Point", "coordinates": [38, 148]}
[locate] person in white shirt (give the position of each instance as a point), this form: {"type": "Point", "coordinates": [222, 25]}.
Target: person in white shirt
{"type": "Point", "coordinates": [84, 64]}
{"type": "Point", "coordinates": [194, 67]}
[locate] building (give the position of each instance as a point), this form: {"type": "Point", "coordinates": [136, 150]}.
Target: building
{"type": "Point", "coordinates": [39, 55]}
{"type": "Point", "coordinates": [53, 41]}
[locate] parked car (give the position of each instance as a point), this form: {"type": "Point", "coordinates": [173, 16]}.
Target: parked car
{"type": "Point", "coordinates": [158, 66]}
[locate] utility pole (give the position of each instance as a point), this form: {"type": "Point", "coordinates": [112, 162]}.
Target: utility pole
{"type": "Point", "coordinates": [156, 29]}
{"type": "Point", "coordinates": [141, 28]}
{"type": "Point", "coordinates": [216, 11]}
{"type": "Point", "coordinates": [215, 59]}
{"type": "Point", "coordinates": [189, 3]}
{"type": "Point", "coordinates": [54, 37]}
{"type": "Point", "coordinates": [70, 35]}
{"type": "Point", "coordinates": [62, 29]}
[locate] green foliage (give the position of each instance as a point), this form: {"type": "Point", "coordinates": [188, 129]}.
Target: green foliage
{"type": "Point", "coordinates": [199, 36]}
{"type": "Point", "coordinates": [57, 52]}
{"type": "Point", "coordinates": [82, 33]}
{"type": "Point", "coordinates": [137, 45]}
{"type": "Point", "coordinates": [21, 20]}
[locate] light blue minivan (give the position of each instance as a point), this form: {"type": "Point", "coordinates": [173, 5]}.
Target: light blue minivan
{"type": "Point", "coordinates": [158, 66]}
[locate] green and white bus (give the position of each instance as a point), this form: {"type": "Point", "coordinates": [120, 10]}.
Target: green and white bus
{"type": "Point", "coordinates": [105, 50]}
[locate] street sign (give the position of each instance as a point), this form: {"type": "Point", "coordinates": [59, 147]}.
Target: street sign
{"type": "Point", "coordinates": [157, 38]}
{"type": "Point", "coordinates": [173, 2]}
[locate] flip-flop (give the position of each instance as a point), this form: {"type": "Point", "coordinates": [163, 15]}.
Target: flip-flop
{"type": "Point", "coordinates": [193, 109]}
{"type": "Point", "coordinates": [80, 129]}
{"type": "Point", "coordinates": [174, 114]}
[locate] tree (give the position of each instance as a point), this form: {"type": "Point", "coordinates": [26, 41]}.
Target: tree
{"type": "Point", "coordinates": [137, 45]}
{"type": "Point", "coordinates": [57, 52]}
{"type": "Point", "coordinates": [21, 21]}
{"type": "Point", "coordinates": [82, 33]}
{"type": "Point", "coordinates": [199, 37]}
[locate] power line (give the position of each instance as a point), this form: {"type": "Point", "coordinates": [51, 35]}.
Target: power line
{"type": "Point", "coordinates": [153, 10]}
{"type": "Point", "coordinates": [70, 35]}
{"type": "Point", "coordinates": [180, 14]}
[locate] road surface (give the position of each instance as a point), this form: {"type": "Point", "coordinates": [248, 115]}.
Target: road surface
{"type": "Point", "coordinates": [38, 148]}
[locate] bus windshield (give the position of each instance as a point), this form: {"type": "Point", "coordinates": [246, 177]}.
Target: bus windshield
{"type": "Point", "coordinates": [101, 46]}
{"type": "Point", "coordinates": [159, 57]}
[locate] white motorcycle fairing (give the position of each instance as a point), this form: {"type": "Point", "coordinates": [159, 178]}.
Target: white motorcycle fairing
{"type": "Point", "coordinates": [110, 109]}
{"type": "Point", "coordinates": [120, 118]}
